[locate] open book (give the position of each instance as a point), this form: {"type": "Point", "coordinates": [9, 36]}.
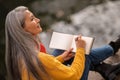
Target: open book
{"type": "Point", "coordinates": [66, 41]}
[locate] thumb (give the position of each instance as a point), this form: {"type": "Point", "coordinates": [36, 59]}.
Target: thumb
{"type": "Point", "coordinates": [70, 50]}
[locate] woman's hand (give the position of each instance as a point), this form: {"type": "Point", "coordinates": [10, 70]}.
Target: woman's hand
{"type": "Point", "coordinates": [79, 42]}
{"type": "Point", "coordinates": [67, 54]}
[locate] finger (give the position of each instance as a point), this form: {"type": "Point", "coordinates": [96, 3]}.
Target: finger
{"type": "Point", "coordinates": [70, 50]}
{"type": "Point", "coordinates": [76, 38]}
{"type": "Point", "coordinates": [70, 54]}
{"type": "Point", "coordinates": [80, 36]}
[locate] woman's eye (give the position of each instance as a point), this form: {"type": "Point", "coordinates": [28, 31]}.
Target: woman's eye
{"type": "Point", "coordinates": [32, 19]}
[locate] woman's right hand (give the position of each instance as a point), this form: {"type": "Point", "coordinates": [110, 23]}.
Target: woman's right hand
{"type": "Point", "coordinates": [79, 42]}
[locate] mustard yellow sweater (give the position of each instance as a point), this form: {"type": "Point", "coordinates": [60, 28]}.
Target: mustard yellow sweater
{"type": "Point", "coordinates": [59, 71]}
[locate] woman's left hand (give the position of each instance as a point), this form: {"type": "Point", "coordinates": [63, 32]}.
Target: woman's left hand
{"type": "Point", "coordinates": [67, 54]}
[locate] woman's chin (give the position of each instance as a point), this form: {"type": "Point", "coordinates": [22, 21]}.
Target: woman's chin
{"type": "Point", "coordinates": [40, 30]}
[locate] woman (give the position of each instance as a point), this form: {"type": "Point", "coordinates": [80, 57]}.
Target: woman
{"type": "Point", "coordinates": [25, 58]}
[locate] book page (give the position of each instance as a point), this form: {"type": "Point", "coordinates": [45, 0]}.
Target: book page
{"type": "Point", "coordinates": [89, 43]}
{"type": "Point", "coordinates": [74, 44]}
{"type": "Point", "coordinates": [61, 41]}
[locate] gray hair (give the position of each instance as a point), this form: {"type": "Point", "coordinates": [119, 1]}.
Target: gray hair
{"type": "Point", "coordinates": [20, 46]}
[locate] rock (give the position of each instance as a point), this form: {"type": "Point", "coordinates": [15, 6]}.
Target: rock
{"type": "Point", "coordinates": [100, 21]}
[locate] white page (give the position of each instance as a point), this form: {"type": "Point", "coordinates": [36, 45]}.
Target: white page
{"type": "Point", "coordinates": [88, 40]}
{"type": "Point", "coordinates": [61, 41]}
{"type": "Point", "coordinates": [73, 44]}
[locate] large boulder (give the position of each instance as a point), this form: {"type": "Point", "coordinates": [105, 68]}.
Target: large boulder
{"type": "Point", "coordinates": [99, 21]}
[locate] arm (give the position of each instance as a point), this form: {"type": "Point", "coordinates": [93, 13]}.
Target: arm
{"type": "Point", "coordinates": [66, 55]}
{"type": "Point", "coordinates": [74, 72]}
{"type": "Point", "coordinates": [59, 58]}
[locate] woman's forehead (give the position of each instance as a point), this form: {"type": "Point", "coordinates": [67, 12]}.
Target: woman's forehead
{"type": "Point", "coordinates": [28, 13]}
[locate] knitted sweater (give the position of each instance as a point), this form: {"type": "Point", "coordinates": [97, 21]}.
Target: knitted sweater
{"type": "Point", "coordinates": [57, 70]}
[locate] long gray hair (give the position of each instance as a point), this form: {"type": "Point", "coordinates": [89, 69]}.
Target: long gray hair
{"type": "Point", "coordinates": [20, 47]}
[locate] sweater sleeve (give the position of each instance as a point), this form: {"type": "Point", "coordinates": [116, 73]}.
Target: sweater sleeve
{"type": "Point", "coordinates": [59, 58]}
{"type": "Point", "coordinates": [59, 71]}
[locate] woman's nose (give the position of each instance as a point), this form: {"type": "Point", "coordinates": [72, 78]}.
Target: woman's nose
{"type": "Point", "coordinates": [38, 20]}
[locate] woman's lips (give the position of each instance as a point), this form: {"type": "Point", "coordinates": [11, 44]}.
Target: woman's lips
{"type": "Point", "coordinates": [38, 26]}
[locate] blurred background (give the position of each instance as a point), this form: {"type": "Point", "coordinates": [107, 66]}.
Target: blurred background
{"type": "Point", "coordinates": [94, 18]}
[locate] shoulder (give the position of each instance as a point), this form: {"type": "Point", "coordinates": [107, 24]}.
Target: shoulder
{"type": "Point", "coordinates": [41, 55]}
{"type": "Point", "coordinates": [45, 58]}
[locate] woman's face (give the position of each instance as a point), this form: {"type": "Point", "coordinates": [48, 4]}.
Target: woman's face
{"type": "Point", "coordinates": [32, 24]}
